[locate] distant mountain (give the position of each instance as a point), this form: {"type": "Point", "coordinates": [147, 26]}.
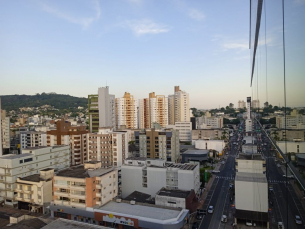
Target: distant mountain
{"type": "Point", "coordinates": [59, 101]}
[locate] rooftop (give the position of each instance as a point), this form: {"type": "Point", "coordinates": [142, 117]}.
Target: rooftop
{"type": "Point", "coordinates": [196, 151]}
{"type": "Point", "coordinates": [137, 158]}
{"type": "Point", "coordinates": [14, 156]}
{"type": "Point", "coordinates": [181, 166]}
{"type": "Point", "coordinates": [70, 224]}
{"type": "Point", "coordinates": [80, 172]}
{"type": "Point", "coordinates": [252, 156]}
{"type": "Point", "coordinates": [174, 193]}
{"type": "Point", "coordinates": [34, 223]}
{"type": "Point", "coordinates": [33, 178]}
{"type": "Point", "coordinates": [251, 177]}
{"type": "Point", "coordinates": [140, 211]}
{"type": "Point", "coordinates": [47, 169]}
{"type": "Point", "coordinates": [139, 197]}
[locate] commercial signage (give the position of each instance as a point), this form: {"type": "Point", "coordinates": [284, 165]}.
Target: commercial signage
{"type": "Point", "coordinates": [117, 219]}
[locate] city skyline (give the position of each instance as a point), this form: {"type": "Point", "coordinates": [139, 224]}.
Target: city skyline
{"type": "Point", "coordinates": [141, 47]}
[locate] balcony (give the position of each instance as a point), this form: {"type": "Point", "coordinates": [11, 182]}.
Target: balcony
{"type": "Point", "coordinates": [62, 202]}
{"type": "Point", "coordinates": [79, 188]}
{"type": "Point", "coordinates": [78, 196]}
{"type": "Point", "coordinates": [75, 204]}
{"type": "Point", "coordinates": [58, 193]}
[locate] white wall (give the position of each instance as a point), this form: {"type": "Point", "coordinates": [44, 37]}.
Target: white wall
{"type": "Point", "coordinates": [164, 201]}
{"type": "Point", "coordinates": [292, 147]}
{"type": "Point", "coordinates": [217, 145]}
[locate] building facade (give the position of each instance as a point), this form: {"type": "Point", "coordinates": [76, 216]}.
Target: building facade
{"type": "Point", "coordinates": [73, 136]}
{"type": "Point", "coordinates": [241, 104]}
{"type": "Point", "coordinates": [107, 146]}
{"type": "Point", "coordinates": [5, 130]}
{"type": "Point", "coordinates": [153, 110]}
{"type": "Point", "coordinates": [185, 130]}
{"type": "Point", "coordinates": [158, 144]}
{"type": "Point", "coordinates": [150, 175]}
{"type": "Point", "coordinates": [210, 134]}
{"type": "Point", "coordinates": [30, 139]}
{"type": "Point", "coordinates": [30, 162]}
{"type": "Point", "coordinates": [178, 107]}
{"type": "Point", "coordinates": [85, 185]}
{"type": "Point", "coordinates": [34, 192]}
{"type": "Point", "coordinates": [292, 146]}
{"type": "Point", "coordinates": [126, 113]}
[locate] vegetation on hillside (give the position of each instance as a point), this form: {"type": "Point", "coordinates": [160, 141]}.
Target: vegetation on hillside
{"type": "Point", "coordinates": [58, 101]}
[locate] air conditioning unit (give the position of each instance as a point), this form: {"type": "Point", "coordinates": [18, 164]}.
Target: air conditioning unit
{"type": "Point", "coordinates": [118, 200]}
{"type": "Point", "coordinates": [132, 202]}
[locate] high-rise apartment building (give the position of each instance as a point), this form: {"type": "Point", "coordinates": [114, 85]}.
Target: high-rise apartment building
{"type": "Point", "coordinates": [30, 162]}
{"type": "Point", "coordinates": [158, 144]}
{"type": "Point", "coordinates": [241, 104]}
{"type": "Point", "coordinates": [126, 112]}
{"type": "Point", "coordinates": [178, 107]}
{"type": "Point", "coordinates": [74, 136]}
{"type": "Point", "coordinates": [5, 130]}
{"type": "Point", "coordinates": [255, 104]}
{"type": "Point", "coordinates": [107, 146]}
{"type": "Point", "coordinates": [101, 109]}
{"type": "Point", "coordinates": [153, 110]}
{"type": "Point", "coordinates": [248, 120]}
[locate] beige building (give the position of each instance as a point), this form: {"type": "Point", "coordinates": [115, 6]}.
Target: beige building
{"type": "Point", "coordinates": [153, 110]}
{"type": "Point", "coordinates": [158, 144]}
{"type": "Point", "coordinates": [85, 185]}
{"type": "Point", "coordinates": [30, 162]}
{"type": "Point", "coordinates": [34, 192]}
{"type": "Point", "coordinates": [178, 107]}
{"type": "Point", "coordinates": [293, 121]}
{"type": "Point", "coordinates": [126, 113]}
{"type": "Point", "coordinates": [5, 130]}
{"type": "Point", "coordinates": [107, 146]}
{"type": "Point", "coordinates": [210, 134]}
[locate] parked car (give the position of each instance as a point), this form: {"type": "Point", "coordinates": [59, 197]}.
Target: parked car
{"type": "Point", "coordinates": [248, 223]}
{"type": "Point", "coordinates": [298, 219]}
{"type": "Point", "coordinates": [211, 209]}
{"type": "Point", "coordinates": [199, 216]}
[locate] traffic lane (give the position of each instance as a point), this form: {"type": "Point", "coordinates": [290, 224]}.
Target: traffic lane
{"type": "Point", "coordinates": [219, 206]}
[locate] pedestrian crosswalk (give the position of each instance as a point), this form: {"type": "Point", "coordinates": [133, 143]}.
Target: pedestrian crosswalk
{"type": "Point", "coordinates": [277, 181]}
{"type": "Point", "coordinates": [226, 178]}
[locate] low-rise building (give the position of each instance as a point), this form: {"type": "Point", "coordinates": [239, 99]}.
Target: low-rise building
{"type": "Point", "coordinates": [217, 145]}
{"type": "Point", "coordinates": [34, 192]}
{"type": "Point", "coordinates": [87, 185]}
{"type": "Point", "coordinates": [288, 135]}
{"type": "Point", "coordinates": [177, 199]}
{"type": "Point", "coordinates": [210, 134]}
{"type": "Point", "coordinates": [158, 144]}
{"type": "Point", "coordinates": [30, 162]}
{"type": "Point", "coordinates": [195, 155]}
{"type": "Point", "coordinates": [291, 146]}
{"type": "Point", "coordinates": [208, 122]}
{"type": "Point", "coordinates": [150, 175]}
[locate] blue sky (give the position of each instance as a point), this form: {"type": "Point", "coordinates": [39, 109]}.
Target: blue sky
{"type": "Point", "coordinates": [141, 46]}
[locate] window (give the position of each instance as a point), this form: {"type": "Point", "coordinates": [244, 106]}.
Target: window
{"type": "Point", "coordinates": [39, 197]}
{"type": "Point", "coordinates": [28, 160]}
{"type": "Point", "coordinates": [171, 202]}
{"type": "Point", "coordinates": [21, 161]}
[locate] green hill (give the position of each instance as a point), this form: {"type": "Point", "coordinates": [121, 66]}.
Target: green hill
{"type": "Point", "coordinates": [58, 101]}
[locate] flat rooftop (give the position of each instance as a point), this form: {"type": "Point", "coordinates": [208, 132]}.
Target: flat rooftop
{"type": "Point", "coordinates": [137, 158]}
{"type": "Point", "coordinates": [71, 224]}
{"type": "Point", "coordinates": [181, 166]}
{"type": "Point", "coordinates": [80, 172]}
{"type": "Point", "coordinates": [139, 197]}
{"type": "Point", "coordinates": [251, 177]}
{"type": "Point", "coordinates": [196, 151]}
{"type": "Point", "coordinates": [140, 211]}
{"type": "Point", "coordinates": [32, 178]}
{"type": "Point", "coordinates": [174, 193]}
{"type": "Point", "coordinates": [14, 156]}
{"type": "Point", "coordinates": [37, 147]}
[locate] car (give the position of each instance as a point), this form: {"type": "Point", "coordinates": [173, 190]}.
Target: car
{"type": "Point", "coordinates": [291, 176]}
{"type": "Point", "coordinates": [231, 186]}
{"type": "Point", "coordinates": [223, 162]}
{"type": "Point", "coordinates": [195, 225]}
{"type": "Point", "coordinates": [278, 165]}
{"type": "Point", "coordinates": [275, 160]}
{"type": "Point", "coordinates": [280, 225]}
{"type": "Point", "coordinates": [249, 223]}
{"type": "Point", "coordinates": [298, 219]}
{"type": "Point", "coordinates": [215, 171]}
{"type": "Point", "coordinates": [199, 216]}
{"type": "Point", "coordinates": [224, 219]}
{"type": "Point", "coordinates": [227, 153]}
{"type": "Point", "coordinates": [211, 209]}
{"type": "Point", "coordinates": [284, 175]}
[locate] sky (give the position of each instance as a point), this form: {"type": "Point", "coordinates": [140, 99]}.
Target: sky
{"type": "Point", "coordinates": [142, 46]}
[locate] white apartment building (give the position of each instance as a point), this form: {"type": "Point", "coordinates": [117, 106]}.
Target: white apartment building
{"type": "Point", "coordinates": [292, 146]}
{"type": "Point", "coordinates": [150, 175]}
{"type": "Point", "coordinates": [5, 130]}
{"type": "Point", "coordinates": [106, 108]}
{"type": "Point", "coordinates": [86, 185]}
{"type": "Point", "coordinates": [185, 130]}
{"type": "Point", "coordinates": [241, 104]}
{"type": "Point", "coordinates": [292, 122]}
{"type": "Point", "coordinates": [153, 110]}
{"type": "Point", "coordinates": [217, 145]}
{"type": "Point", "coordinates": [32, 139]}
{"type": "Point", "coordinates": [208, 122]}
{"type": "Point", "coordinates": [108, 146]}
{"type": "Point", "coordinates": [126, 112]}
{"type": "Point", "coordinates": [30, 162]}
{"type": "Point", "coordinates": [178, 107]}
{"type": "Point", "coordinates": [34, 192]}
{"type": "Point", "coordinates": [158, 144]}
{"type": "Point", "coordinates": [255, 104]}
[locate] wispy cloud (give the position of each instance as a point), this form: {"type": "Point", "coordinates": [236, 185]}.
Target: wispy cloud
{"type": "Point", "coordinates": [85, 22]}
{"type": "Point", "coordinates": [236, 45]}
{"type": "Point", "coordinates": [146, 26]}
{"type": "Point", "coordinates": [196, 14]}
